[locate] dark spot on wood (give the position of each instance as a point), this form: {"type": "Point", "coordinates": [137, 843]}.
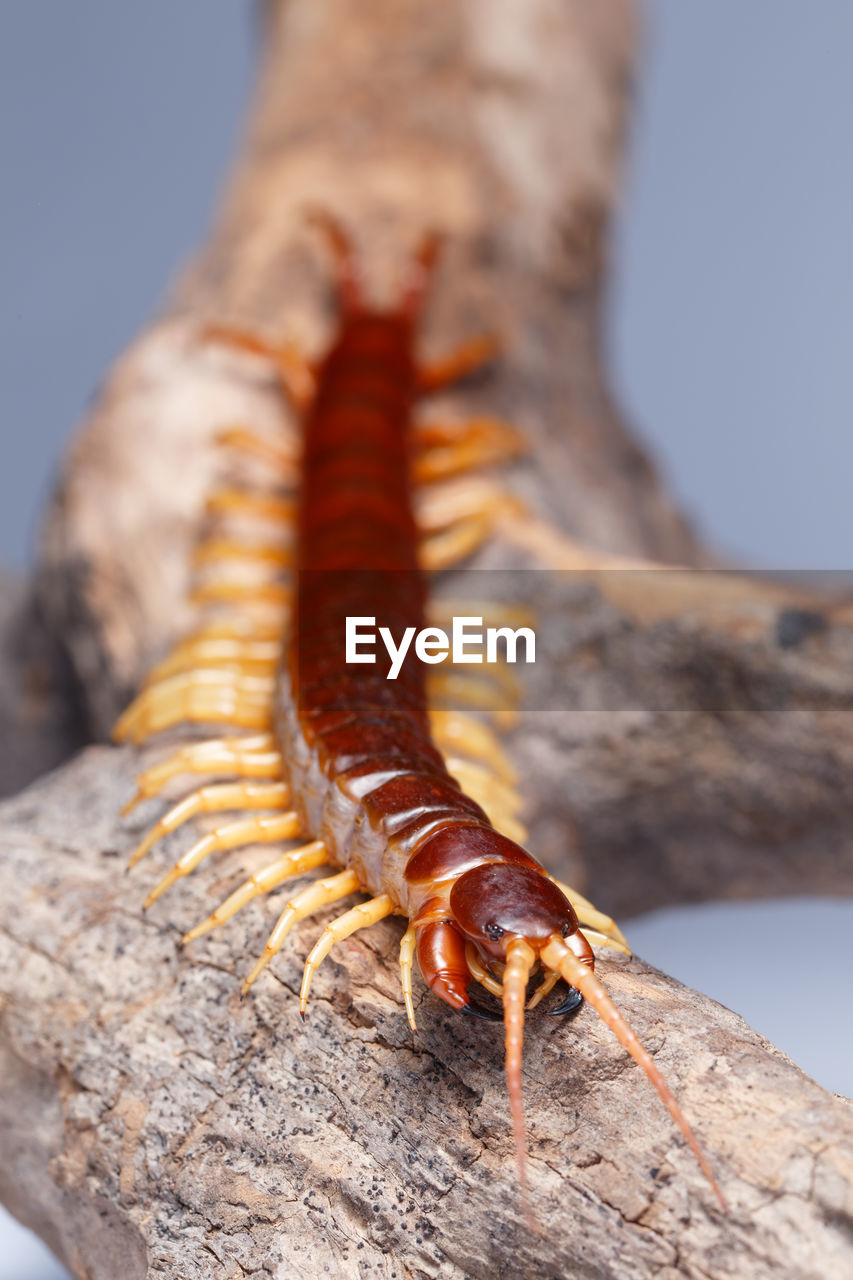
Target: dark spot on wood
{"type": "Point", "coordinates": [793, 626]}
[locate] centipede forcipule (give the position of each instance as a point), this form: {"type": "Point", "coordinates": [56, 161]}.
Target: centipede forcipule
{"type": "Point", "coordinates": [343, 757]}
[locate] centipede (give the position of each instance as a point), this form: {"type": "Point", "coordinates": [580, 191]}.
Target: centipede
{"type": "Point", "coordinates": [410, 806]}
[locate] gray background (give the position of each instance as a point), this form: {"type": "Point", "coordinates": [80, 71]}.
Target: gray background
{"type": "Point", "coordinates": [729, 324]}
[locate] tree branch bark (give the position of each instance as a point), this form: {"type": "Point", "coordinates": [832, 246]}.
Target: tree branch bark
{"type": "Point", "coordinates": [158, 1126]}
{"type": "Point", "coordinates": [153, 1124]}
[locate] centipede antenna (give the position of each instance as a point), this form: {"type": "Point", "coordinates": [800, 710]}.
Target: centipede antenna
{"type": "Point", "coordinates": [556, 955]}
{"type": "Point", "coordinates": [520, 958]}
{"type": "Point", "coordinates": [421, 268]}
{"type": "Point", "coordinates": [340, 244]}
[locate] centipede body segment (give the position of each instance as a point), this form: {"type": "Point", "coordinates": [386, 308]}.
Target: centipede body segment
{"type": "Point", "coordinates": [414, 806]}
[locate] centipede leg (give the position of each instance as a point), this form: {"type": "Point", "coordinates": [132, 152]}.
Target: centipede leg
{"type": "Point", "coordinates": [596, 925]}
{"type": "Point", "coordinates": [479, 695]}
{"type": "Point", "coordinates": [440, 505]}
{"type": "Point", "coordinates": [407, 956]}
{"type": "Point", "coordinates": [213, 799]}
{"type": "Point", "coordinates": [293, 863]}
{"type": "Point", "coordinates": [456, 729]}
{"type": "Point", "coordinates": [442, 550]}
{"type": "Point", "coordinates": [294, 370]}
{"type": "Point", "coordinates": [215, 550]}
{"type": "Point", "coordinates": [317, 895]}
{"type": "Point", "coordinates": [232, 835]}
{"type": "Point", "coordinates": [243, 440]}
{"type": "Point", "coordinates": [254, 757]}
{"type": "Point", "coordinates": [246, 656]}
{"type": "Point", "coordinates": [467, 446]}
{"type": "Point", "coordinates": [366, 913]}
{"type": "Point", "coordinates": [542, 990]}
{"type": "Point", "coordinates": [500, 801]}
{"type": "Point", "coordinates": [231, 590]}
{"type": "Point", "coordinates": [480, 973]}
{"type": "Point", "coordinates": [468, 358]}
{"type": "Point", "coordinates": [249, 502]}
{"type": "Point", "coordinates": [197, 697]}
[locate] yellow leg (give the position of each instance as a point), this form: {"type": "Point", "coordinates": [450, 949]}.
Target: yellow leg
{"type": "Point", "coordinates": [294, 863]}
{"type": "Point", "coordinates": [436, 433]}
{"type": "Point", "coordinates": [442, 550]}
{"type": "Point", "coordinates": [241, 628]}
{"type": "Point", "coordinates": [466, 359]}
{"type": "Point", "coordinates": [258, 657]}
{"type": "Point", "coordinates": [542, 990]}
{"type": "Point", "coordinates": [440, 505]}
{"type": "Point", "coordinates": [500, 804]}
{"type": "Point", "coordinates": [455, 730]}
{"type": "Point", "coordinates": [242, 757]}
{"type": "Point", "coordinates": [248, 502]}
{"type": "Point", "coordinates": [594, 920]}
{"type": "Point", "coordinates": [442, 610]}
{"type": "Point", "coordinates": [483, 442]}
{"type": "Point", "coordinates": [230, 669]}
{"type": "Point", "coordinates": [197, 696]}
{"type": "Point", "coordinates": [227, 590]}
{"type": "Point", "coordinates": [215, 799]}
{"type": "Point", "coordinates": [213, 550]}
{"type": "Point", "coordinates": [284, 456]}
{"type": "Point", "coordinates": [603, 939]}
{"type": "Point", "coordinates": [317, 895]}
{"type": "Point", "coordinates": [407, 956]}
{"type": "Point", "coordinates": [483, 785]}
{"type": "Point", "coordinates": [499, 674]}
{"type": "Point", "coordinates": [206, 706]}
{"type": "Point", "coordinates": [366, 913]}
{"type": "Point", "coordinates": [293, 369]}
{"type": "Point", "coordinates": [480, 973]}
{"type": "Point", "coordinates": [281, 826]}
{"type": "Point", "coordinates": [455, 688]}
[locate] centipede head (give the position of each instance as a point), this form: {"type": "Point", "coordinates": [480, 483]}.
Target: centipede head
{"type": "Point", "coordinates": [515, 914]}
{"type": "Point", "coordinates": [497, 903]}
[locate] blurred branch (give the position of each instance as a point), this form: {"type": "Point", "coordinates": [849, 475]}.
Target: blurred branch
{"type": "Point", "coordinates": [505, 135]}
{"type": "Point", "coordinates": [38, 725]}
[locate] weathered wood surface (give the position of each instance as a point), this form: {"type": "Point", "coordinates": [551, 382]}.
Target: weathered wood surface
{"type": "Point", "coordinates": [159, 1126]}
{"type": "Point", "coordinates": [153, 1124]}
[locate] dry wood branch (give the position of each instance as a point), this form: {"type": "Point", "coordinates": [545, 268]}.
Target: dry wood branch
{"type": "Point", "coordinates": [157, 1125]}
{"type": "Point", "coordinates": [154, 1124]}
